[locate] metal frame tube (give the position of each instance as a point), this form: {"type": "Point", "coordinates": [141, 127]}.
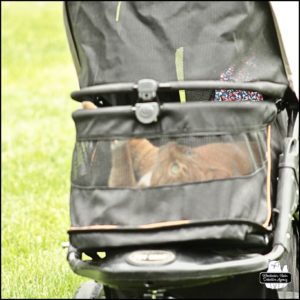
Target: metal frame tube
{"type": "Point", "coordinates": [267, 88]}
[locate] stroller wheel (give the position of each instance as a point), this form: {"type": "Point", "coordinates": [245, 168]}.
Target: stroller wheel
{"type": "Point", "coordinates": [90, 290]}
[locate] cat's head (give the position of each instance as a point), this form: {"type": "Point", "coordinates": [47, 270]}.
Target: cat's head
{"type": "Point", "coordinates": [178, 164]}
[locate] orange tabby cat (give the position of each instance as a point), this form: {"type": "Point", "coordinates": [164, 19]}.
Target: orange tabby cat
{"type": "Point", "coordinates": [173, 163]}
{"type": "Point", "coordinates": [138, 163]}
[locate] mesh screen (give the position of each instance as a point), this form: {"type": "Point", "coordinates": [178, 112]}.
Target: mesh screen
{"type": "Point", "coordinates": [168, 160]}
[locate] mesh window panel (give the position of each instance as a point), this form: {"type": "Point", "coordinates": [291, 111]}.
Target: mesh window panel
{"type": "Point", "coordinates": [168, 160]}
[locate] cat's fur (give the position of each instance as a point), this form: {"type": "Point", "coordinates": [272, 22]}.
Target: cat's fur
{"type": "Point", "coordinates": [88, 105]}
{"type": "Point", "coordinates": [138, 163]}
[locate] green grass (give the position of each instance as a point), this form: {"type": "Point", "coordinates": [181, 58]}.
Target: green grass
{"type": "Point", "coordinates": [37, 142]}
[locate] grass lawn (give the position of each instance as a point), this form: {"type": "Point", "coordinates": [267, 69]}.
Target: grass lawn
{"type": "Point", "coordinates": [37, 143]}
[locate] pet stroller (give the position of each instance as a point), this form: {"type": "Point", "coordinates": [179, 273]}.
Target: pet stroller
{"type": "Point", "coordinates": [185, 177]}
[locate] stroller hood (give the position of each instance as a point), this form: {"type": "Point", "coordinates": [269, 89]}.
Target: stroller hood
{"type": "Point", "coordinates": [215, 41]}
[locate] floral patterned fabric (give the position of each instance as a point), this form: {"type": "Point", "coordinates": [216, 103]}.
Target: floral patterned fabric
{"type": "Point", "coordinates": [231, 74]}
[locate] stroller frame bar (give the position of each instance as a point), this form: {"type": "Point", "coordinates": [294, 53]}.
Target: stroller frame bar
{"type": "Point", "coordinates": [267, 88]}
{"type": "Point", "coordinates": [160, 276]}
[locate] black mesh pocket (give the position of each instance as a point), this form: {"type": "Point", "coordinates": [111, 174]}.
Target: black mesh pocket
{"type": "Point", "coordinates": [91, 163]}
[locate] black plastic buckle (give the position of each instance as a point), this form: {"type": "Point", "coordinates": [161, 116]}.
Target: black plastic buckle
{"type": "Point", "coordinates": [148, 110]}
{"type": "Point", "coordinates": [281, 105]}
{"type": "Point", "coordinates": [147, 89]}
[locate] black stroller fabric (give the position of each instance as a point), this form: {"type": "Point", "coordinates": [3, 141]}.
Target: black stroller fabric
{"type": "Point", "coordinates": [114, 201]}
{"type": "Point", "coordinates": [114, 42]}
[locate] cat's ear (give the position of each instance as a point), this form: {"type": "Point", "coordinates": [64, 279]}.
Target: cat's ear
{"type": "Point", "coordinates": [122, 173]}
{"type": "Point", "coordinates": [88, 105]}
{"type": "Point", "coordinates": [138, 145]}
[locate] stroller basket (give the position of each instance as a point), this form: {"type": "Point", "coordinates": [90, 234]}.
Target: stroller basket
{"type": "Point", "coordinates": [187, 177]}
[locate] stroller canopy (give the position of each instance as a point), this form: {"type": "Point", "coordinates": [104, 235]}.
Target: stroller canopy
{"type": "Point", "coordinates": [119, 42]}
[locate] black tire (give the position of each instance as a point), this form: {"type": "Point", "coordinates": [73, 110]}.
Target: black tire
{"type": "Point", "coordinates": [90, 290]}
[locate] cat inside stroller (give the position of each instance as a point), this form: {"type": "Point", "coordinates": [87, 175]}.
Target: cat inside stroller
{"type": "Point", "coordinates": [184, 179]}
